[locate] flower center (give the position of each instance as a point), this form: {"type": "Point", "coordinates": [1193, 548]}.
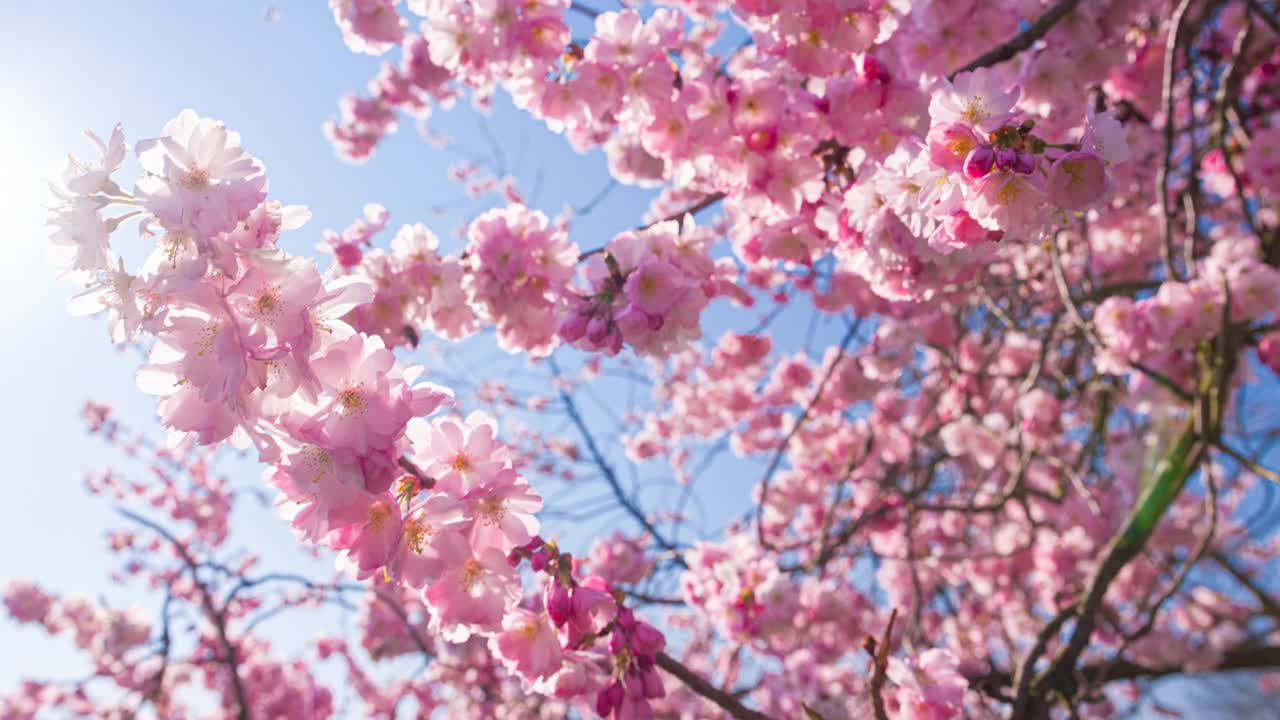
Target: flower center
{"type": "Point", "coordinates": [174, 243]}
{"type": "Point", "coordinates": [316, 460]}
{"type": "Point", "coordinates": [976, 110]}
{"type": "Point", "coordinates": [471, 573]}
{"type": "Point", "coordinates": [1008, 194]}
{"type": "Point", "coordinates": [351, 401]}
{"type": "Point", "coordinates": [195, 179]}
{"type": "Point", "coordinates": [206, 338]}
{"type": "Point", "coordinates": [268, 301]}
{"type": "Point", "coordinates": [960, 146]}
{"type": "Point", "coordinates": [492, 510]}
{"type": "Point", "coordinates": [417, 533]}
{"type": "Point", "coordinates": [378, 516]}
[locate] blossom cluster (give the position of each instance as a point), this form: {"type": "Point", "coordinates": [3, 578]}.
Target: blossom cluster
{"type": "Point", "coordinates": [255, 346]}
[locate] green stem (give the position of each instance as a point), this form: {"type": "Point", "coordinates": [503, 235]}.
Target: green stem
{"type": "Point", "coordinates": [1169, 477]}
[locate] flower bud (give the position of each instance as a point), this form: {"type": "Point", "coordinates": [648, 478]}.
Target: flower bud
{"type": "Point", "coordinates": [538, 561]}
{"type": "Point", "coordinates": [559, 606]}
{"type": "Point", "coordinates": [1006, 158]}
{"type": "Point", "coordinates": [608, 699]}
{"type": "Point", "coordinates": [979, 162]}
{"type": "Point", "coordinates": [1024, 163]}
{"type": "Point", "coordinates": [653, 684]}
{"type": "Point", "coordinates": [1269, 351]}
{"type": "Point", "coordinates": [597, 329]}
{"type": "Point", "coordinates": [573, 327]}
{"type": "Point", "coordinates": [348, 254]}
{"type": "Point", "coordinates": [646, 640]}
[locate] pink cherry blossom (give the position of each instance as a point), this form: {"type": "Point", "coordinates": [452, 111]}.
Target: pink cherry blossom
{"type": "Point", "coordinates": [528, 645]}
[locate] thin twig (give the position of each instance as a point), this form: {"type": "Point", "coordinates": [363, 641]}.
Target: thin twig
{"type": "Point", "coordinates": [786, 440]}
{"type": "Point", "coordinates": [611, 476]}
{"type": "Point", "coordinates": [1162, 176]}
{"type": "Point", "coordinates": [1253, 466]}
{"type": "Point", "coordinates": [216, 617]}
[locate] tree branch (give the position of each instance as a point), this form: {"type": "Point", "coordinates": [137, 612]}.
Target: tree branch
{"type": "Point", "coordinates": [696, 683]}
{"type": "Point", "coordinates": [786, 441]}
{"type": "Point", "coordinates": [697, 207]}
{"type": "Point", "coordinates": [216, 617]}
{"type": "Point", "coordinates": [612, 477]}
{"type": "Point", "coordinates": [1022, 40]}
{"type": "Point", "coordinates": [1162, 176]}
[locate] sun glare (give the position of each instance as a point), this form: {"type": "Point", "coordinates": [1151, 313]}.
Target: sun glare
{"type": "Point", "coordinates": [27, 156]}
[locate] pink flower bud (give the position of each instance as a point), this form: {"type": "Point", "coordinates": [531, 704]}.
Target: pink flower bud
{"type": "Point", "coordinates": [646, 640]}
{"type": "Point", "coordinates": [1024, 163]}
{"type": "Point", "coordinates": [762, 141]}
{"type": "Point", "coordinates": [597, 329]}
{"type": "Point", "coordinates": [559, 606]}
{"type": "Point", "coordinates": [608, 699]}
{"type": "Point", "coordinates": [348, 254]}
{"type": "Point", "coordinates": [615, 344]}
{"type": "Point", "coordinates": [653, 687]}
{"type": "Point", "coordinates": [872, 69]}
{"type": "Point", "coordinates": [1006, 159]}
{"type": "Point", "coordinates": [573, 327]}
{"type": "Point", "coordinates": [635, 708]}
{"type": "Point", "coordinates": [626, 619]}
{"type": "Point", "coordinates": [538, 561]}
{"type": "Point", "coordinates": [979, 162]}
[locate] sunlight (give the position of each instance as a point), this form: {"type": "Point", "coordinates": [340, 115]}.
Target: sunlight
{"type": "Point", "coordinates": [24, 192]}
{"type": "Point", "coordinates": [28, 155]}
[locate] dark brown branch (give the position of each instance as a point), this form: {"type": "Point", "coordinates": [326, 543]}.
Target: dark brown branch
{"type": "Point", "coordinates": [880, 666]}
{"type": "Point", "coordinates": [1223, 100]}
{"type": "Point", "coordinates": [337, 588]}
{"type": "Point", "coordinates": [696, 683]}
{"type": "Point", "coordinates": [1026, 670]}
{"type": "Point", "coordinates": [1022, 40]}
{"type": "Point", "coordinates": [579, 7]}
{"type": "Point", "coordinates": [1252, 465]}
{"type": "Point", "coordinates": [425, 482]}
{"type": "Point", "coordinates": [1244, 657]}
{"type": "Point", "coordinates": [697, 207]}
